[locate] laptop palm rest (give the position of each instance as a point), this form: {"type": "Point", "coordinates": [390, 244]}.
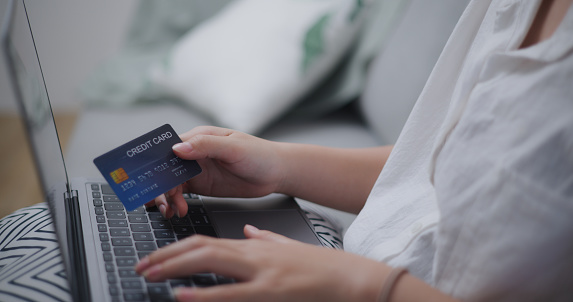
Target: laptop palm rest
{"type": "Point", "coordinates": [276, 212]}
{"type": "Point", "coordinates": [289, 223]}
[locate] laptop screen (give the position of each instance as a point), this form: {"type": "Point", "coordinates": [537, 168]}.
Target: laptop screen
{"type": "Point", "coordinates": [32, 98]}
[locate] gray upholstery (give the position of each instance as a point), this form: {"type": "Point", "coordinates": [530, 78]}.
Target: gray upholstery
{"type": "Point", "coordinates": [396, 78]}
{"type": "Point", "coordinates": [398, 74]}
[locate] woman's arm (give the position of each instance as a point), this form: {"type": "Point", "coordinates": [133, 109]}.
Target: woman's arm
{"type": "Point", "coordinates": [334, 177]}
{"type": "Point", "coordinates": [236, 164]}
{"type": "Point", "coordinates": [270, 267]}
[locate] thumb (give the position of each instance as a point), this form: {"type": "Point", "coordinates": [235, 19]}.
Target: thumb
{"type": "Point", "coordinates": [252, 232]}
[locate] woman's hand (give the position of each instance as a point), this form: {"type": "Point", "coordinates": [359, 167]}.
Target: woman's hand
{"type": "Point", "coordinates": [234, 164]}
{"type": "Point", "coordinates": [267, 267]}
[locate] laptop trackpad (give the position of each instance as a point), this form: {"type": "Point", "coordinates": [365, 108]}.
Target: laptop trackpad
{"type": "Point", "coordinates": [289, 223]}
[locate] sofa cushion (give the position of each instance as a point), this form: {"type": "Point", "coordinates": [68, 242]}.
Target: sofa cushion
{"type": "Point", "coordinates": [251, 62]}
{"type": "Point", "coordinates": [100, 130]}
{"type": "Point", "coordinates": [400, 71]}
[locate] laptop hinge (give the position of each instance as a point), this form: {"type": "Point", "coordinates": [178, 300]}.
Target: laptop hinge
{"type": "Point", "coordinates": [79, 283]}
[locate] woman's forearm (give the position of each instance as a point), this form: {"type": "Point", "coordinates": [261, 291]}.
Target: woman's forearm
{"type": "Point", "coordinates": [334, 177]}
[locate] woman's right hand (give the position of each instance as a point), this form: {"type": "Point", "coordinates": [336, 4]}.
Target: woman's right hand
{"type": "Point", "coordinates": [234, 164]}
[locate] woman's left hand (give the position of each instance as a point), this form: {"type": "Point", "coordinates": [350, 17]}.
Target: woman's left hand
{"type": "Point", "coordinates": [267, 267]}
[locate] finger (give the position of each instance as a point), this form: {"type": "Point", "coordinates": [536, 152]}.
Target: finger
{"type": "Point", "coordinates": [221, 260]}
{"type": "Point", "coordinates": [206, 130]}
{"type": "Point", "coordinates": [229, 292]}
{"type": "Point", "coordinates": [161, 203]}
{"type": "Point", "coordinates": [253, 232]}
{"type": "Point", "coordinates": [222, 148]}
{"type": "Point", "coordinates": [173, 250]}
{"type": "Point", "coordinates": [177, 201]}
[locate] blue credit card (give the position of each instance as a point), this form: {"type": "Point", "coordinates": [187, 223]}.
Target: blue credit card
{"type": "Point", "coordinates": [145, 167]}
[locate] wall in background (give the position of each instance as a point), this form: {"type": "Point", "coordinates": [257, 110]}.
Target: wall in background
{"type": "Point", "coordinates": [72, 38]}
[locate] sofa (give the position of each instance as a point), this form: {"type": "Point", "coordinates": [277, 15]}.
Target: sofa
{"type": "Point", "coordinates": [391, 74]}
{"type": "Point", "coordinates": [395, 76]}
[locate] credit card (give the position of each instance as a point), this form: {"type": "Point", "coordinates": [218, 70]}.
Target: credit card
{"type": "Point", "coordinates": [145, 167]}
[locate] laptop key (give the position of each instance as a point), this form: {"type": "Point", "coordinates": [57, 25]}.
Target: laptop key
{"type": "Point", "coordinates": [142, 237]}
{"type": "Point", "coordinates": [180, 283]}
{"type": "Point", "coordinates": [115, 215]}
{"type": "Point", "coordinates": [155, 289]}
{"type": "Point", "coordinates": [204, 280]}
{"type": "Point", "coordinates": [121, 241]}
{"type": "Point", "coordinates": [131, 284]}
{"type": "Point", "coordinates": [111, 278]}
{"type": "Point", "coordinates": [142, 255]}
{"type": "Point", "coordinates": [103, 237]}
{"type": "Point", "coordinates": [110, 198]}
{"type": "Point", "coordinates": [161, 225]}
{"type": "Point", "coordinates": [183, 236]}
{"type": "Point", "coordinates": [137, 218]}
{"type": "Point", "coordinates": [107, 190]}
{"type": "Point", "coordinates": [200, 220]}
{"type": "Point", "coordinates": [105, 246]}
{"type": "Point", "coordinates": [179, 229]}
{"type": "Point", "coordinates": [100, 219]}
{"type": "Point", "coordinates": [127, 273]}
{"type": "Point", "coordinates": [119, 232]}
{"type": "Point", "coordinates": [114, 207]}
{"type": "Point", "coordinates": [161, 298]}
{"type": "Point", "coordinates": [138, 227]}
{"type": "Point", "coordinates": [163, 242]}
{"type": "Point", "coordinates": [145, 246]}
{"type": "Point", "coordinates": [123, 251]}
{"type": "Point", "coordinates": [117, 223]}
{"type": "Point", "coordinates": [99, 211]}
{"type": "Point", "coordinates": [114, 290]}
{"type": "Point", "coordinates": [206, 230]}
{"type": "Point", "coordinates": [195, 210]}
{"type": "Point", "coordinates": [152, 209]}
{"type": "Point", "coordinates": [140, 210]}
{"type": "Point", "coordinates": [97, 202]}
{"type": "Point", "coordinates": [107, 256]}
{"type": "Point", "coordinates": [224, 280]}
{"type": "Point", "coordinates": [126, 261]}
{"type": "Point", "coordinates": [180, 221]}
{"type": "Point", "coordinates": [134, 296]}
{"type": "Point", "coordinates": [156, 216]}
{"type": "Point", "coordinates": [164, 234]}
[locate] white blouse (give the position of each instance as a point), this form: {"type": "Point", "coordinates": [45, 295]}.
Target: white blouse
{"type": "Point", "coordinates": [477, 196]}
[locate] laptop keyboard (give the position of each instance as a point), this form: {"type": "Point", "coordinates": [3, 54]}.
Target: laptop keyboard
{"type": "Point", "coordinates": [126, 237]}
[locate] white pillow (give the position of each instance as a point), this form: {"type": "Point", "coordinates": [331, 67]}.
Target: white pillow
{"type": "Point", "coordinates": [251, 62]}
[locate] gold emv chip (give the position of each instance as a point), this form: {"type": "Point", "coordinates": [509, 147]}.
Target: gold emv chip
{"type": "Point", "coordinates": [119, 175]}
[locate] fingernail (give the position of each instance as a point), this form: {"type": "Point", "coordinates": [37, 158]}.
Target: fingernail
{"type": "Point", "coordinates": [183, 147]}
{"type": "Point", "coordinates": [162, 209]}
{"type": "Point", "coordinates": [177, 213]}
{"type": "Point", "coordinates": [152, 273]}
{"type": "Point", "coordinates": [251, 228]}
{"type": "Point", "coordinates": [183, 294]}
{"type": "Point", "coordinates": [142, 264]}
{"type": "Point", "coordinates": [176, 292]}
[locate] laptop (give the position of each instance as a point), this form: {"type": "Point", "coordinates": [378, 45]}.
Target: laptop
{"type": "Point", "coordinates": [99, 241]}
